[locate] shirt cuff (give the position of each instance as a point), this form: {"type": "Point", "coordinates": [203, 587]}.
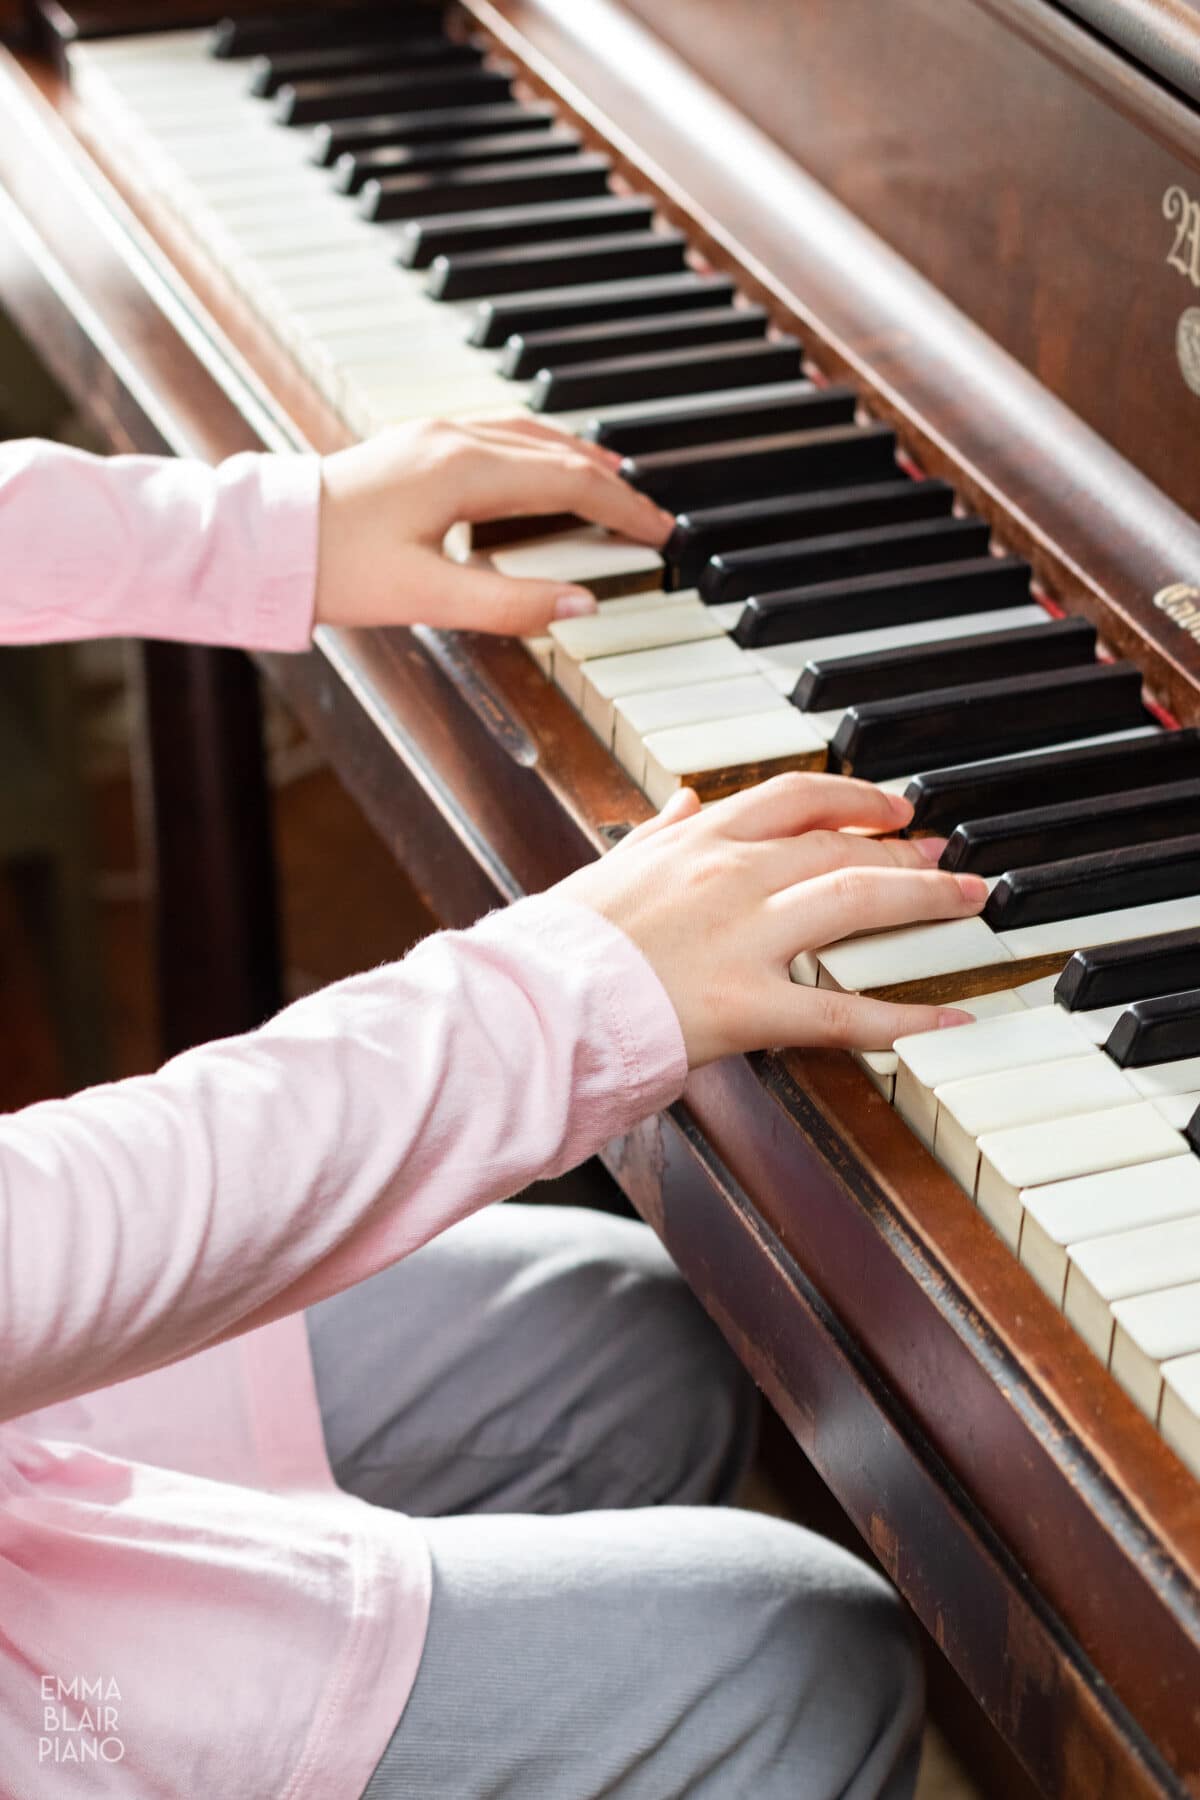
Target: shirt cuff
{"type": "Point", "coordinates": [281, 602]}
{"type": "Point", "coordinates": [638, 1063]}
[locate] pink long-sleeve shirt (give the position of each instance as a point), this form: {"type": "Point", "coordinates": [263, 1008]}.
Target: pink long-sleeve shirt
{"type": "Point", "coordinates": [188, 1605]}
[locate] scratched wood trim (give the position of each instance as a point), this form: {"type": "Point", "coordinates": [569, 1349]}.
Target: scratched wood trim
{"type": "Point", "coordinates": [559, 732]}
{"type": "Point", "coordinates": [1007, 1646]}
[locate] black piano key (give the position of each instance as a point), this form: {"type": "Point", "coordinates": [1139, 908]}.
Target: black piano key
{"type": "Point", "coordinates": [1073, 828]}
{"type": "Point", "coordinates": [525, 354]}
{"type": "Point", "coordinates": [1192, 1132]}
{"type": "Point", "coordinates": [622, 379]}
{"type": "Point", "coordinates": [714, 419]}
{"type": "Point", "coordinates": [887, 674]}
{"type": "Point", "coordinates": [986, 718]}
{"type": "Point", "coordinates": [267, 34]}
{"type": "Point", "coordinates": [472, 186]}
{"type": "Point", "coordinates": [712, 530]}
{"type": "Point", "coordinates": [438, 124]}
{"type": "Point", "coordinates": [333, 62]}
{"type": "Point", "coordinates": [702, 474]}
{"type": "Point", "coordinates": [764, 569]}
{"type": "Point", "coordinates": [897, 596]}
{"type": "Point", "coordinates": [944, 796]}
{"type": "Point", "coordinates": [619, 257]}
{"type": "Point", "coordinates": [422, 241]}
{"type": "Point", "coordinates": [313, 102]}
{"type": "Point", "coordinates": [1159, 1030]}
{"type": "Point", "coordinates": [353, 171]}
{"type": "Point", "coordinates": [1111, 881]}
{"type": "Point", "coordinates": [1115, 974]}
{"type": "Point", "coordinates": [557, 308]}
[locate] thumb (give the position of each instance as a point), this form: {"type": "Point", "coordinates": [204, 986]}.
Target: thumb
{"type": "Point", "coordinates": [463, 597]}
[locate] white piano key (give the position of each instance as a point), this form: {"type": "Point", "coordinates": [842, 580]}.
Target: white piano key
{"type": "Point", "coordinates": [1099, 1022]}
{"type": "Point", "coordinates": [1177, 1109]}
{"type": "Point", "coordinates": [912, 953]}
{"type": "Point", "coordinates": [721, 756]}
{"type": "Point", "coordinates": [694, 704]}
{"type": "Point", "coordinates": [1063, 1213]}
{"type": "Point", "coordinates": [1028, 1156]}
{"type": "Point", "coordinates": [610, 679]}
{"type": "Point", "coordinates": [1179, 1418]}
{"type": "Point", "coordinates": [1103, 1270]}
{"type": "Point", "coordinates": [1150, 1330]}
{"type": "Point", "coordinates": [1026, 1095]}
{"type": "Point", "coordinates": [934, 1059]}
{"type": "Point", "coordinates": [577, 641]}
{"type": "Point", "coordinates": [592, 558]}
{"type": "Point", "coordinates": [1163, 1080]}
{"type": "Point", "coordinates": [1037, 993]}
{"type": "Point", "coordinates": [881, 1065]}
{"type": "Point", "coordinates": [1064, 936]}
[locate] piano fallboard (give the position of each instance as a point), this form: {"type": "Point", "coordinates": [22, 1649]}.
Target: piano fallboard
{"type": "Point", "coordinates": [1034, 1519]}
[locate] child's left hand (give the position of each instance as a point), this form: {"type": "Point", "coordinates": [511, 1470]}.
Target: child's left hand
{"type": "Point", "coordinates": [387, 504]}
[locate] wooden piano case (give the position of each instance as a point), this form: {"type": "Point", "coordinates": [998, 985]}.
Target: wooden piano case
{"type": "Point", "coordinates": [1033, 1518]}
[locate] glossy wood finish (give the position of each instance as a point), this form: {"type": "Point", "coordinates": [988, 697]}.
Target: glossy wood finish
{"type": "Point", "coordinates": [1039, 1526]}
{"type": "Point", "coordinates": [1103, 537]}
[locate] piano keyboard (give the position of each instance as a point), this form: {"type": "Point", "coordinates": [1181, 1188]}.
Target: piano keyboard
{"type": "Point", "coordinates": [423, 238]}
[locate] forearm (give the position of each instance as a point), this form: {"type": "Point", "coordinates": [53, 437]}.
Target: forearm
{"type": "Point", "coordinates": [139, 546]}
{"type": "Point", "coordinates": [146, 1220]}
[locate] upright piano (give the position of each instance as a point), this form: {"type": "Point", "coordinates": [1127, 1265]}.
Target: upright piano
{"type": "Point", "coordinates": [898, 308]}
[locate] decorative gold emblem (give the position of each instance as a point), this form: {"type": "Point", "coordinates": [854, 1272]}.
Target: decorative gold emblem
{"type": "Point", "coordinates": [1181, 603]}
{"type": "Point", "coordinates": [1184, 213]}
{"type": "Point", "coordinates": [1187, 346]}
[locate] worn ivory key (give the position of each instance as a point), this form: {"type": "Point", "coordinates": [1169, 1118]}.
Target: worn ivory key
{"type": "Point", "coordinates": [1027, 1156]}
{"type": "Point", "coordinates": [695, 703]}
{"type": "Point", "coordinates": [1179, 1417]}
{"type": "Point", "coordinates": [931, 1059]}
{"type": "Point", "coordinates": [586, 557]}
{"type": "Point", "coordinates": [1068, 1212]}
{"type": "Point", "coordinates": [665, 620]}
{"type": "Point", "coordinates": [1107, 1269]}
{"type": "Point", "coordinates": [722, 756]}
{"type": "Point", "coordinates": [608, 680]}
{"type": "Point", "coordinates": [1026, 1095]}
{"type": "Point", "coordinates": [942, 962]}
{"type": "Point", "coordinates": [1150, 1330]}
{"type": "Point", "coordinates": [880, 1065]}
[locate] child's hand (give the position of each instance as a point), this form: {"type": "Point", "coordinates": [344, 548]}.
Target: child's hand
{"type": "Point", "coordinates": [387, 504]}
{"type": "Point", "coordinates": [721, 901]}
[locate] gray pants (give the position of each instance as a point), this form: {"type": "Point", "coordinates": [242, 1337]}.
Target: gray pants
{"type": "Point", "coordinates": [538, 1386]}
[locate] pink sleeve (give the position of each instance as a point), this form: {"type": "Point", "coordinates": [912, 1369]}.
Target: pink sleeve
{"type": "Point", "coordinates": [148, 1219]}
{"type": "Point", "coordinates": [145, 546]}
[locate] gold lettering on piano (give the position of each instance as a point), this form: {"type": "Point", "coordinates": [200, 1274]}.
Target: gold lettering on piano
{"type": "Point", "coordinates": [1181, 603]}
{"type": "Point", "coordinates": [1184, 213]}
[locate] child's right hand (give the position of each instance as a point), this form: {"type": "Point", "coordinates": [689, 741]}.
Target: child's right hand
{"type": "Point", "coordinates": [720, 902]}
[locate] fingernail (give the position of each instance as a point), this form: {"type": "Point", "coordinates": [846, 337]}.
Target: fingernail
{"type": "Point", "coordinates": [575, 603]}
{"type": "Point", "coordinates": [953, 1015]}
{"type": "Point", "coordinates": [901, 807]}
{"type": "Point", "coordinates": [973, 888]}
{"type": "Point", "coordinates": [613, 458]}
{"type": "Point", "coordinates": [929, 847]}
